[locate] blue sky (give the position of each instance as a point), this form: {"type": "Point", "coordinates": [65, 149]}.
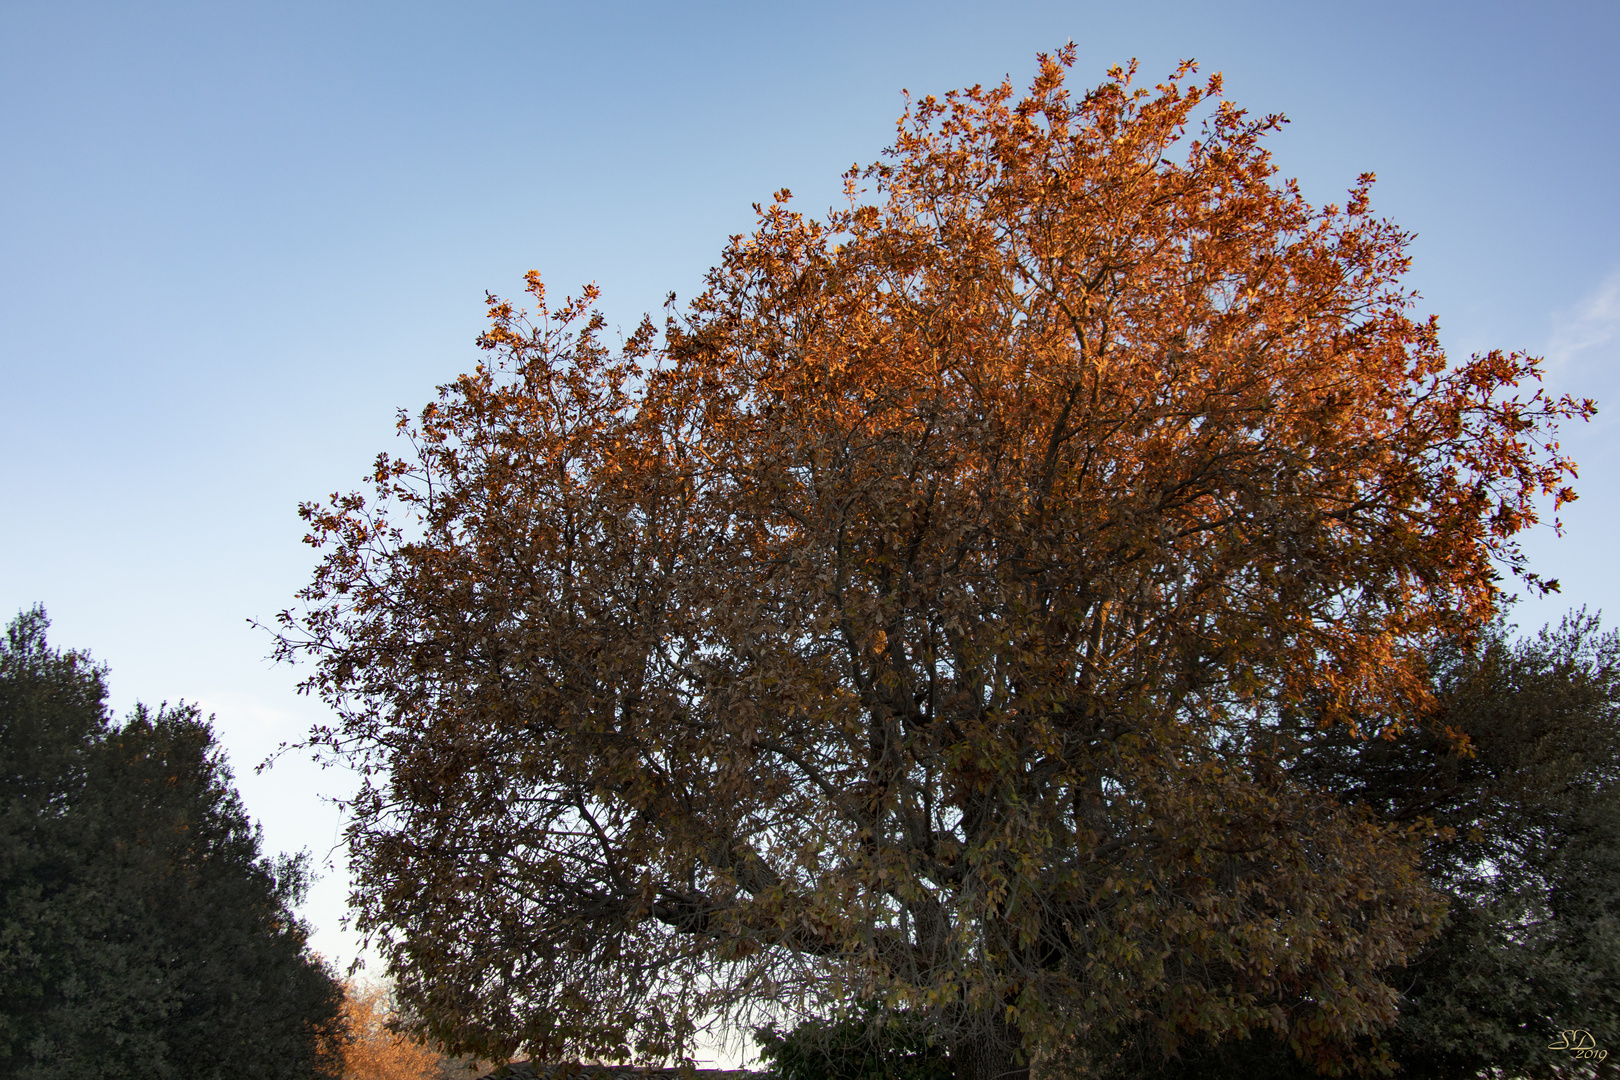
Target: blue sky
{"type": "Point", "coordinates": [235, 238]}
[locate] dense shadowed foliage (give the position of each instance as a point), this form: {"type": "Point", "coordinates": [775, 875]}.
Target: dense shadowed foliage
{"type": "Point", "coordinates": [870, 1044]}
{"type": "Point", "coordinates": [1516, 782]}
{"type": "Point", "coordinates": [144, 933]}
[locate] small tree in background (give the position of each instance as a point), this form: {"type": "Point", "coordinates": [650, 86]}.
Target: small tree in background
{"type": "Point", "coordinates": [145, 933]}
{"type": "Point", "coordinates": [378, 1048]}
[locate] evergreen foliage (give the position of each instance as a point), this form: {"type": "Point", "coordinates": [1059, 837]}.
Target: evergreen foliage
{"type": "Point", "coordinates": [143, 933]}
{"type": "Point", "coordinates": [870, 1044]}
{"type": "Point", "coordinates": [1529, 856]}
{"type": "Point", "coordinates": [1517, 782]}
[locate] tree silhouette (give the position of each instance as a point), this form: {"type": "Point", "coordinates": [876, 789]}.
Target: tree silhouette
{"type": "Point", "coordinates": [146, 934]}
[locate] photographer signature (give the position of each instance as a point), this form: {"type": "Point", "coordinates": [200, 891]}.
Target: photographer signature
{"type": "Point", "coordinates": [1580, 1042]}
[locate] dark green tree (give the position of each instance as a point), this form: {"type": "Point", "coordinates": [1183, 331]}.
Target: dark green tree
{"type": "Point", "coordinates": [1528, 852]}
{"type": "Point", "coordinates": [870, 1044]}
{"type": "Point", "coordinates": [143, 933]}
{"type": "Point", "coordinates": [1517, 783]}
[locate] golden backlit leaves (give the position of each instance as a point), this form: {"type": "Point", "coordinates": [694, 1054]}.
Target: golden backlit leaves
{"type": "Point", "coordinates": [376, 1051]}
{"type": "Point", "coordinates": [928, 613]}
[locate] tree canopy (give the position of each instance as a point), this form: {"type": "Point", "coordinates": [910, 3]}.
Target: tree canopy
{"type": "Point", "coordinates": [913, 620]}
{"type": "Point", "coordinates": [143, 933]}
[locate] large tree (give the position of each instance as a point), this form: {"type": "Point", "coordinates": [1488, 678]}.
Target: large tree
{"type": "Point", "coordinates": [143, 934]}
{"type": "Point", "coordinates": [912, 619]}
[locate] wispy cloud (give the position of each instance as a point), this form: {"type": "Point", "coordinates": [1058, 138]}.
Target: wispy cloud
{"type": "Point", "coordinates": [1587, 327]}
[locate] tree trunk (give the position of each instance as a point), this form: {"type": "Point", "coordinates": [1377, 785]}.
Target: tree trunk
{"type": "Point", "coordinates": [991, 1053]}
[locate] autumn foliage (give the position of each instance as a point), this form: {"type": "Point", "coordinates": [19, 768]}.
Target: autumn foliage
{"type": "Point", "coordinates": [923, 615]}
{"type": "Point", "coordinates": [376, 1049]}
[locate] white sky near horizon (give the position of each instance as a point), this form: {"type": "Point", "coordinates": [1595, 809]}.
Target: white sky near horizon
{"type": "Point", "coordinates": [235, 238]}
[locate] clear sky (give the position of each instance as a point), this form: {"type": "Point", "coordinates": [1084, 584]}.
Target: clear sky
{"type": "Point", "coordinates": [236, 237]}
